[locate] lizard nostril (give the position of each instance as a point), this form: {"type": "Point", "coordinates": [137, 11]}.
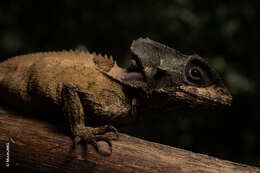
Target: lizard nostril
{"type": "Point", "coordinates": [223, 91]}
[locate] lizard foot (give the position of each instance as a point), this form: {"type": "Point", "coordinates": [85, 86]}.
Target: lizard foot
{"type": "Point", "coordinates": [92, 135]}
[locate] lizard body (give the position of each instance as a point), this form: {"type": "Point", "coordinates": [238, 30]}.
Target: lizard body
{"type": "Point", "coordinates": [89, 88]}
{"type": "Point", "coordinates": [34, 82]}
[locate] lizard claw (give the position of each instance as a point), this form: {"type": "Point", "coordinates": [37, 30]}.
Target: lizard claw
{"type": "Point", "coordinates": [92, 135]}
{"type": "Point", "coordinates": [108, 128]}
{"type": "Point", "coordinates": [106, 139]}
{"type": "Point", "coordinates": [76, 140]}
{"type": "Point", "coordinates": [101, 138]}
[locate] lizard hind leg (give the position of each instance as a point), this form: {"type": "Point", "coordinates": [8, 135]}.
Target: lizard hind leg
{"type": "Point", "coordinates": [73, 111]}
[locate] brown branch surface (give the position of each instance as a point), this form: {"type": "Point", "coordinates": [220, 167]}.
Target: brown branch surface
{"type": "Point", "coordinates": [37, 146]}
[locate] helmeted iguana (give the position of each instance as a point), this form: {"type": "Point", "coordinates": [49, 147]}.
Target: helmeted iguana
{"type": "Point", "coordinates": [92, 89]}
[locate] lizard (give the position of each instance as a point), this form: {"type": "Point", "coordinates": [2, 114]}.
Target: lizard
{"type": "Point", "coordinates": [89, 88]}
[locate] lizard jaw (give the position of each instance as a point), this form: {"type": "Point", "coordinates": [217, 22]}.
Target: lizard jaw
{"type": "Point", "coordinates": [215, 96]}
{"type": "Point", "coordinates": [193, 99]}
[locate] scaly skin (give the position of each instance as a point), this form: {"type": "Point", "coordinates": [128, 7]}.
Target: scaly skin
{"type": "Point", "coordinates": [91, 89]}
{"type": "Point", "coordinates": [57, 82]}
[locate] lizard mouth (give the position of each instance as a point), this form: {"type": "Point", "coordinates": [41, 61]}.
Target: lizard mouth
{"type": "Point", "coordinates": [135, 64]}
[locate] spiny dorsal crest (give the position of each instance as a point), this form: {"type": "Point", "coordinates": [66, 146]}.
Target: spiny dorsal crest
{"type": "Point", "coordinates": [103, 62]}
{"type": "Point", "coordinates": [108, 66]}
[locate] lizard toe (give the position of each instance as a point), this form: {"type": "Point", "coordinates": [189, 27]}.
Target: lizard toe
{"type": "Point", "coordinates": [76, 140]}
{"type": "Point", "coordinates": [107, 128]}
{"type": "Point", "coordinates": [92, 135]}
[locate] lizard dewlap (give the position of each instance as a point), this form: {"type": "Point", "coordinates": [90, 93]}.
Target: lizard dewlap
{"type": "Point", "coordinates": [92, 89]}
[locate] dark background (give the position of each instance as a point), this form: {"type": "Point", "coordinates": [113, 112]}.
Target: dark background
{"type": "Point", "coordinates": [225, 32]}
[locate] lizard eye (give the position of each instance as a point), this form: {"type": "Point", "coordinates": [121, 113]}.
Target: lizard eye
{"type": "Point", "coordinates": [195, 73]}
{"type": "Point", "coordinates": [198, 73]}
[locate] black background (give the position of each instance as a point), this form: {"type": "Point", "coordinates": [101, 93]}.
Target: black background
{"type": "Point", "coordinates": [225, 32]}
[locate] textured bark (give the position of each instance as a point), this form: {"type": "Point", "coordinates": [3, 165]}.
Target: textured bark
{"type": "Point", "coordinates": [38, 146]}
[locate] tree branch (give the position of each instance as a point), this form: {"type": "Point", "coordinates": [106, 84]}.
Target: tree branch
{"type": "Point", "coordinates": [38, 146]}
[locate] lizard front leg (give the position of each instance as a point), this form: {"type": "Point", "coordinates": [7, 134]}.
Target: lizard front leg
{"type": "Point", "coordinates": [75, 114]}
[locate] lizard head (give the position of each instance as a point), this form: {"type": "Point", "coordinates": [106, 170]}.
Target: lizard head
{"type": "Point", "coordinates": [177, 80]}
